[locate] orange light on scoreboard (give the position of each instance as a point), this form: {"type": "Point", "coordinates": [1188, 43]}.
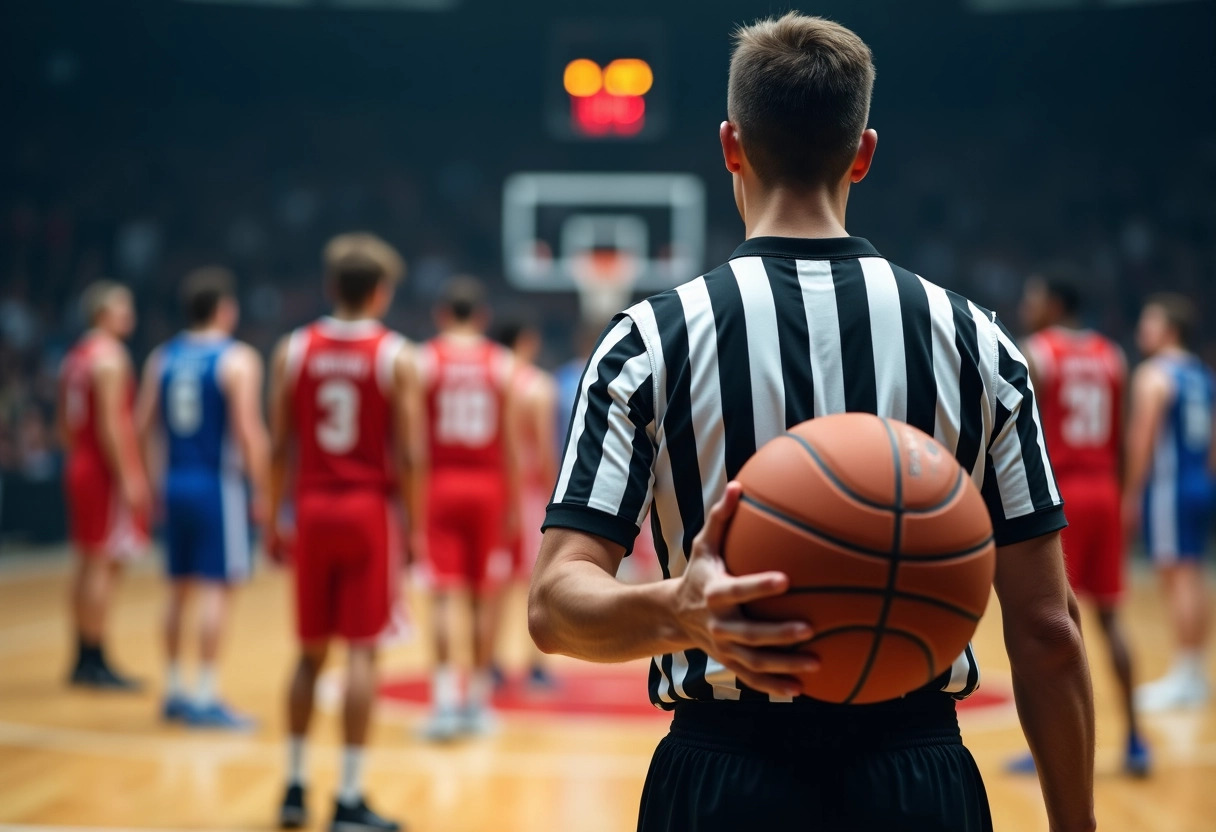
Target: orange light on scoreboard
{"type": "Point", "coordinates": [608, 101]}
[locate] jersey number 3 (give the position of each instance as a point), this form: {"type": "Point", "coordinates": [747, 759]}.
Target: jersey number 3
{"type": "Point", "coordinates": [338, 430]}
{"type": "Point", "coordinates": [1087, 423]}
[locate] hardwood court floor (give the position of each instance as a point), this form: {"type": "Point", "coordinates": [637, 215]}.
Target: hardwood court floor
{"type": "Point", "coordinates": [70, 759]}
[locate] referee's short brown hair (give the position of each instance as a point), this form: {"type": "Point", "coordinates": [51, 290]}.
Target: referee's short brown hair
{"type": "Point", "coordinates": [356, 264]}
{"type": "Point", "coordinates": [202, 291]}
{"type": "Point", "coordinates": [799, 96]}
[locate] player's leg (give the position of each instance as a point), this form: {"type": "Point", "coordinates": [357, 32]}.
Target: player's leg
{"type": "Point", "coordinates": [1177, 540]}
{"type": "Point", "coordinates": [177, 700]}
{"type": "Point", "coordinates": [447, 549]}
{"type": "Point", "coordinates": [489, 573]}
{"type": "Point", "coordinates": [223, 547]}
{"type": "Point", "coordinates": [300, 700]}
{"type": "Point", "coordinates": [1136, 757]}
{"type": "Point", "coordinates": [316, 622]}
{"type": "Point", "coordinates": [366, 595]}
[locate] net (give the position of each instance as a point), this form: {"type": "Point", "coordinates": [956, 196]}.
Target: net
{"type": "Point", "coordinates": [605, 278]}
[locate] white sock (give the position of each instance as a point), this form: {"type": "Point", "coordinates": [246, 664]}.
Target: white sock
{"type": "Point", "coordinates": [481, 688]}
{"type": "Point", "coordinates": [205, 692]}
{"type": "Point", "coordinates": [295, 761]}
{"type": "Point", "coordinates": [351, 789]}
{"type": "Point", "coordinates": [445, 690]}
{"type": "Point", "coordinates": [175, 686]}
{"type": "Point", "coordinates": [1189, 665]}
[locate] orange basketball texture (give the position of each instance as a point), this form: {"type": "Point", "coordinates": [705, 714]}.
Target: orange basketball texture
{"type": "Point", "coordinates": [887, 544]}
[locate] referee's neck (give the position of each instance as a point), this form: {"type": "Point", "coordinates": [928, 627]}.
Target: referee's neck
{"type": "Point", "coordinates": [787, 212]}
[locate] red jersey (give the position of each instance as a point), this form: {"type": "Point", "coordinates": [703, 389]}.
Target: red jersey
{"type": "Point", "coordinates": [78, 396]}
{"type": "Point", "coordinates": [1080, 381]}
{"type": "Point", "coordinates": [340, 374]}
{"type": "Point", "coordinates": [466, 383]}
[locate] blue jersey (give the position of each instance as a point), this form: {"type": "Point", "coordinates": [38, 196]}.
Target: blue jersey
{"type": "Point", "coordinates": [1180, 490]}
{"type": "Point", "coordinates": [206, 497]}
{"type": "Point", "coordinates": [567, 378]}
{"type": "Point", "coordinates": [194, 409]}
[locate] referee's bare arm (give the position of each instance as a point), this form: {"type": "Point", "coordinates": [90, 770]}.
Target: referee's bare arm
{"type": "Point", "coordinates": [1050, 676]}
{"type": "Point", "coordinates": [577, 607]}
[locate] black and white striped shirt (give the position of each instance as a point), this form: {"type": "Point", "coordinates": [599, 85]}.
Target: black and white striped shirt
{"type": "Point", "coordinates": [684, 387]}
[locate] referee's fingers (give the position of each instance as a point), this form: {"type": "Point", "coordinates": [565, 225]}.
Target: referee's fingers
{"type": "Point", "coordinates": [773, 684]}
{"type": "Point", "coordinates": [729, 591]}
{"type": "Point", "coordinates": [760, 633]}
{"type": "Point", "coordinates": [760, 660]}
{"type": "Point", "coordinates": [719, 516]}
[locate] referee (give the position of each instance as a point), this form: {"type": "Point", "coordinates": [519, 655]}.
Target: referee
{"type": "Point", "coordinates": [803, 321]}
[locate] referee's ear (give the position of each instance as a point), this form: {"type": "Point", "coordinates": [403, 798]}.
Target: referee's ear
{"type": "Point", "coordinates": [732, 151]}
{"type": "Point", "coordinates": [865, 155]}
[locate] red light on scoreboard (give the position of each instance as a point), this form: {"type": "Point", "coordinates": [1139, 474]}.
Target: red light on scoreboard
{"type": "Point", "coordinates": [610, 101]}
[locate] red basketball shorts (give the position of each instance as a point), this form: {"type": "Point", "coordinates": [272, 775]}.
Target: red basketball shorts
{"type": "Point", "coordinates": [347, 560]}
{"type": "Point", "coordinates": [100, 523]}
{"type": "Point", "coordinates": [464, 530]}
{"type": "Point", "coordinates": [1093, 541]}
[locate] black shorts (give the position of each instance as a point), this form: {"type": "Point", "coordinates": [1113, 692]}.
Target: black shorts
{"type": "Point", "coordinates": [744, 767]}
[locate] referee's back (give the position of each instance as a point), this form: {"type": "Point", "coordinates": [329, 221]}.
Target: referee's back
{"type": "Point", "coordinates": [684, 387]}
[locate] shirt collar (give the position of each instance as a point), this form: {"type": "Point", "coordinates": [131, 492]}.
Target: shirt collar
{"type": "Point", "coordinates": [806, 248]}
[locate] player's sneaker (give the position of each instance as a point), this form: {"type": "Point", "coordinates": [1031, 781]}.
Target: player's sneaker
{"type": "Point", "coordinates": [218, 715]}
{"type": "Point", "coordinates": [1137, 761]}
{"type": "Point", "coordinates": [360, 818]}
{"type": "Point", "coordinates": [293, 814]}
{"type": "Point", "coordinates": [443, 725]}
{"type": "Point", "coordinates": [103, 677]}
{"type": "Point", "coordinates": [540, 679]}
{"type": "Point", "coordinates": [176, 708]}
{"type": "Point", "coordinates": [498, 676]}
{"type": "Point", "coordinates": [478, 721]}
{"type": "Point", "coordinates": [1172, 692]}
{"type": "Point", "coordinates": [1021, 765]}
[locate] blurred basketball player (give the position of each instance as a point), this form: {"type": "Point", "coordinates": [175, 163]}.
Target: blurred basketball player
{"type": "Point", "coordinates": [337, 407]}
{"type": "Point", "coordinates": [202, 391]}
{"type": "Point", "coordinates": [535, 395]}
{"type": "Point", "coordinates": [1170, 485]}
{"type": "Point", "coordinates": [468, 481]}
{"type": "Point", "coordinates": [107, 491]}
{"type": "Point", "coordinates": [1081, 378]}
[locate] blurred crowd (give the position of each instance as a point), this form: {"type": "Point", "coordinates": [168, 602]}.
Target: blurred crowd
{"type": "Point", "coordinates": [975, 215]}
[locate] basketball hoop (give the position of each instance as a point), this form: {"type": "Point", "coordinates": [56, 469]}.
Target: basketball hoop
{"type": "Point", "coordinates": [604, 278]}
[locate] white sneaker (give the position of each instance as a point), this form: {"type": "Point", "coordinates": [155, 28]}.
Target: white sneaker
{"type": "Point", "coordinates": [1171, 693]}
{"type": "Point", "coordinates": [478, 721]}
{"type": "Point", "coordinates": [443, 725]}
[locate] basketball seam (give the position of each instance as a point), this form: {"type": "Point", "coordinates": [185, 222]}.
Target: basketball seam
{"type": "Point", "coordinates": [866, 501]}
{"type": "Point", "coordinates": [853, 547]}
{"type": "Point", "coordinates": [884, 612]}
{"type": "Point", "coordinates": [852, 628]}
{"type": "Point", "coordinates": [898, 593]}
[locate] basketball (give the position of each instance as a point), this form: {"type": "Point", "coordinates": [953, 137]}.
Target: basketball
{"type": "Point", "coordinates": [887, 544]}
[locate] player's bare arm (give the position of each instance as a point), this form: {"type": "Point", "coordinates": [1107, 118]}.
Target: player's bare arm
{"type": "Point", "coordinates": [1051, 684]}
{"type": "Point", "coordinates": [280, 451]}
{"type": "Point", "coordinates": [542, 409]}
{"type": "Point", "coordinates": [420, 464]}
{"type": "Point", "coordinates": [1150, 392]}
{"type": "Point", "coordinates": [116, 430]}
{"type": "Point", "coordinates": [577, 607]}
{"type": "Point", "coordinates": [512, 429]}
{"type": "Point", "coordinates": [241, 377]}
{"type": "Point", "coordinates": [404, 384]}
{"type": "Point", "coordinates": [147, 410]}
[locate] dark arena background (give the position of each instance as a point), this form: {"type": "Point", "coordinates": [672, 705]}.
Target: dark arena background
{"type": "Point", "coordinates": [566, 154]}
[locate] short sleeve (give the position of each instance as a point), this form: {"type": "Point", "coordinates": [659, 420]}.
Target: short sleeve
{"type": "Point", "coordinates": [1019, 485]}
{"type": "Point", "coordinates": [604, 485]}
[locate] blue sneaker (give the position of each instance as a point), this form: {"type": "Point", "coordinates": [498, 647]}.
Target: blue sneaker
{"type": "Point", "coordinates": [218, 715]}
{"type": "Point", "coordinates": [1021, 765]}
{"type": "Point", "coordinates": [1137, 761]}
{"type": "Point", "coordinates": [176, 709]}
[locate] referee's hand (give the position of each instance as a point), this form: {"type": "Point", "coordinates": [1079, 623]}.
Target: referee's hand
{"type": "Point", "coordinates": [708, 607]}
